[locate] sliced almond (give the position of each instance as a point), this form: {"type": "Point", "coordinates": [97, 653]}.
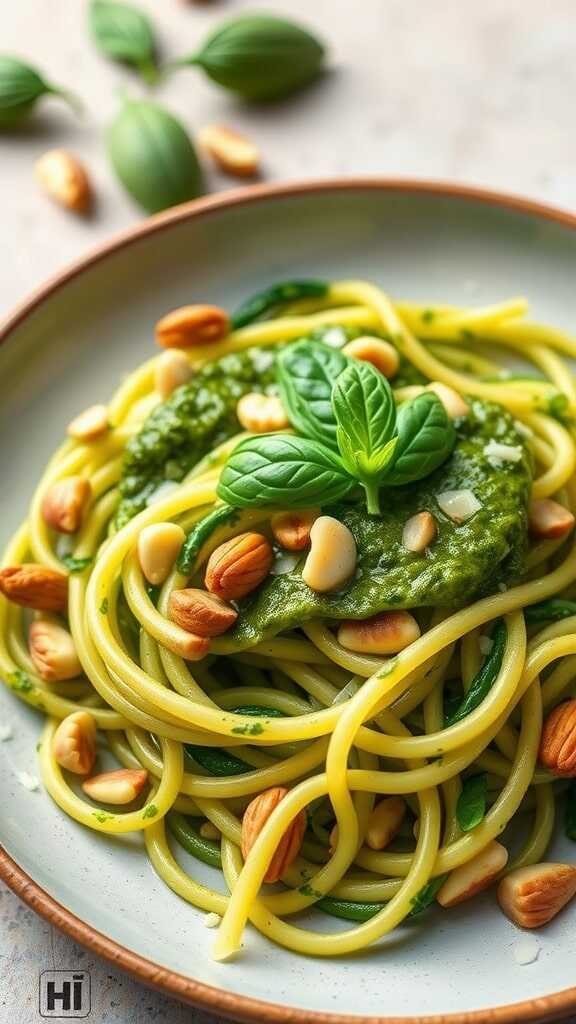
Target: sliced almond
{"type": "Point", "coordinates": [533, 895]}
{"type": "Point", "coordinates": [65, 179]}
{"type": "Point", "coordinates": [384, 822]}
{"type": "Point", "coordinates": [548, 519]}
{"type": "Point", "coordinates": [385, 633]}
{"type": "Point", "coordinates": [292, 529]}
{"type": "Point", "coordinates": [90, 425]}
{"type": "Point", "coordinates": [419, 532]}
{"type": "Point", "coordinates": [53, 652]}
{"type": "Point", "coordinates": [74, 743]}
{"type": "Point", "coordinates": [159, 545]}
{"type": "Point", "coordinates": [118, 787]}
{"type": "Point", "coordinates": [35, 586]}
{"type": "Point", "coordinates": [379, 353]}
{"type": "Point", "coordinates": [231, 150]}
{"type": "Point", "coordinates": [172, 371]}
{"type": "Point", "coordinates": [192, 325]}
{"type": "Point", "coordinates": [238, 566]}
{"type": "Point", "coordinates": [474, 876]}
{"type": "Point", "coordinates": [201, 612]}
{"type": "Point", "coordinates": [64, 503]}
{"type": "Point", "coordinates": [558, 741]}
{"type": "Point", "coordinates": [332, 557]}
{"type": "Point", "coordinates": [255, 817]}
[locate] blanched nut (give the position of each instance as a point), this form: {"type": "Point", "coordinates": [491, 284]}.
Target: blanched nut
{"type": "Point", "coordinates": [233, 152]}
{"type": "Point", "coordinates": [292, 529]}
{"type": "Point", "coordinates": [380, 353]}
{"type": "Point", "coordinates": [533, 895]}
{"type": "Point", "coordinates": [255, 817]}
{"type": "Point", "coordinates": [172, 370]}
{"type": "Point", "coordinates": [548, 519]}
{"type": "Point", "coordinates": [89, 425]}
{"type": "Point", "coordinates": [74, 743]}
{"type": "Point", "coordinates": [201, 612]}
{"type": "Point", "coordinates": [158, 548]}
{"type": "Point", "coordinates": [261, 414]}
{"type": "Point", "coordinates": [558, 741]}
{"type": "Point", "coordinates": [384, 822]}
{"type": "Point", "coordinates": [53, 652]}
{"type": "Point", "coordinates": [419, 532]}
{"type": "Point", "coordinates": [64, 503]}
{"type": "Point", "coordinates": [238, 566]}
{"type": "Point", "coordinates": [332, 557]}
{"type": "Point", "coordinates": [471, 878]}
{"type": "Point", "coordinates": [192, 325]}
{"type": "Point", "coordinates": [118, 787]}
{"type": "Point", "coordinates": [63, 177]}
{"type": "Point", "coordinates": [453, 403]}
{"type": "Point", "coordinates": [385, 633]}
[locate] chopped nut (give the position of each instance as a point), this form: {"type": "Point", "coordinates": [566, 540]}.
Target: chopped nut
{"type": "Point", "coordinates": [158, 548]}
{"type": "Point", "coordinates": [35, 586]}
{"type": "Point", "coordinates": [74, 743]}
{"type": "Point", "coordinates": [332, 557]}
{"type": "Point", "coordinates": [380, 353]}
{"type": "Point", "coordinates": [558, 742]}
{"type": "Point", "coordinates": [209, 831]}
{"type": "Point", "coordinates": [118, 787]}
{"type": "Point", "coordinates": [261, 414]}
{"type": "Point", "coordinates": [172, 370]}
{"type": "Point", "coordinates": [292, 529]}
{"type": "Point", "coordinates": [53, 652]}
{"type": "Point", "coordinates": [384, 822]}
{"type": "Point", "coordinates": [233, 152]}
{"type": "Point", "coordinates": [63, 177]}
{"type": "Point", "coordinates": [201, 612]}
{"type": "Point", "coordinates": [548, 519]}
{"type": "Point", "coordinates": [64, 503]}
{"type": "Point", "coordinates": [384, 633]}
{"type": "Point", "coordinates": [238, 566]}
{"type": "Point", "coordinates": [255, 817]}
{"type": "Point", "coordinates": [474, 876]}
{"type": "Point", "coordinates": [533, 895]}
{"type": "Point", "coordinates": [453, 403]}
{"type": "Point", "coordinates": [192, 325]}
{"type": "Point", "coordinates": [419, 532]}
{"type": "Point", "coordinates": [90, 425]}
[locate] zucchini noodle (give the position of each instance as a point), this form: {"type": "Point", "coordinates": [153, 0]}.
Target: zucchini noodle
{"type": "Point", "coordinates": [295, 706]}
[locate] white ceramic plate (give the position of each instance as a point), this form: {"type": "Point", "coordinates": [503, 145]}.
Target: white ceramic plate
{"type": "Point", "coordinates": [68, 347]}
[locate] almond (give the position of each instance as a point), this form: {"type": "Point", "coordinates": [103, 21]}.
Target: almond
{"type": "Point", "coordinates": [233, 152]}
{"type": "Point", "coordinates": [533, 895]}
{"type": "Point", "coordinates": [35, 586]}
{"type": "Point", "coordinates": [53, 652]}
{"type": "Point", "coordinates": [90, 425]}
{"type": "Point", "coordinates": [192, 325]}
{"type": "Point", "coordinates": [239, 566]}
{"type": "Point", "coordinates": [118, 787]}
{"type": "Point", "coordinates": [548, 519]}
{"type": "Point", "coordinates": [64, 503]}
{"type": "Point", "coordinates": [292, 529]}
{"type": "Point", "coordinates": [158, 548]}
{"type": "Point", "coordinates": [74, 743]}
{"type": "Point", "coordinates": [255, 817]}
{"type": "Point", "coordinates": [380, 353]}
{"type": "Point", "coordinates": [558, 741]}
{"type": "Point", "coordinates": [385, 633]}
{"type": "Point", "coordinates": [453, 403]}
{"type": "Point", "coordinates": [384, 822]}
{"type": "Point", "coordinates": [172, 370]}
{"type": "Point", "coordinates": [419, 532]}
{"type": "Point", "coordinates": [261, 414]}
{"type": "Point", "coordinates": [332, 557]}
{"type": "Point", "coordinates": [201, 612]}
{"type": "Point", "coordinates": [64, 179]}
{"type": "Point", "coordinates": [474, 876]}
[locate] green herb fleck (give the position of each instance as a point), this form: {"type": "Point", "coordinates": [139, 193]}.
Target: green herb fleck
{"type": "Point", "coordinates": [427, 895]}
{"type": "Point", "coordinates": [308, 890]}
{"type": "Point", "coordinates": [76, 565]}
{"type": "Point", "coordinates": [427, 316]}
{"type": "Point", "coordinates": [20, 681]}
{"type": "Point", "coordinates": [150, 811]}
{"type": "Point", "coordinates": [102, 816]}
{"type": "Point", "coordinates": [104, 607]}
{"type": "Point", "coordinates": [466, 334]}
{"type": "Point", "coordinates": [255, 729]}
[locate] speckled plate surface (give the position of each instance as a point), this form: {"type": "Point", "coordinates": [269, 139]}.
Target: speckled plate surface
{"type": "Point", "coordinates": [68, 347]}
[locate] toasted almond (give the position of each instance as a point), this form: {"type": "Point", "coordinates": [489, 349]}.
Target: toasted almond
{"type": "Point", "coordinates": [255, 817]}
{"type": "Point", "coordinates": [474, 876]}
{"type": "Point", "coordinates": [292, 529]}
{"type": "Point", "coordinates": [558, 741]}
{"type": "Point", "coordinates": [453, 402]}
{"type": "Point", "coordinates": [117, 787]}
{"type": "Point", "coordinates": [53, 652]}
{"type": "Point", "coordinates": [332, 557]}
{"type": "Point", "coordinates": [64, 503]}
{"type": "Point", "coordinates": [74, 743]}
{"type": "Point", "coordinates": [379, 353]}
{"type": "Point", "coordinates": [172, 370]}
{"type": "Point", "coordinates": [64, 178]}
{"type": "Point", "coordinates": [548, 519]}
{"type": "Point", "coordinates": [233, 152]}
{"type": "Point", "coordinates": [238, 566]}
{"type": "Point", "coordinates": [159, 545]}
{"type": "Point", "coordinates": [192, 325]}
{"type": "Point", "coordinates": [385, 633]}
{"type": "Point", "coordinates": [35, 586]}
{"type": "Point", "coordinates": [90, 425]}
{"type": "Point", "coordinates": [533, 895]}
{"type": "Point", "coordinates": [384, 822]}
{"type": "Point", "coordinates": [261, 414]}
{"type": "Point", "coordinates": [419, 532]}
{"type": "Point", "coordinates": [201, 612]}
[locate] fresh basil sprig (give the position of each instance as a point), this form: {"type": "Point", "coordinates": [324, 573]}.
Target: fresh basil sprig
{"type": "Point", "coordinates": [124, 34]}
{"type": "Point", "coordinates": [279, 469]}
{"type": "Point", "coordinates": [307, 372]}
{"type": "Point", "coordinates": [426, 436]}
{"type": "Point", "coordinates": [471, 805]}
{"type": "Point", "coordinates": [365, 412]}
{"type": "Point", "coordinates": [21, 86]}
{"type": "Point", "coordinates": [277, 295]}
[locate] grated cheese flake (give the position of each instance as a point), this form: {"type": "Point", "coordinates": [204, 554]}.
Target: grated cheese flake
{"type": "Point", "coordinates": [498, 453]}
{"type": "Point", "coordinates": [458, 505]}
{"type": "Point", "coordinates": [28, 781]}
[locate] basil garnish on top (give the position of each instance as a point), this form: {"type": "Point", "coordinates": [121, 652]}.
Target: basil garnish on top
{"type": "Point", "coordinates": [307, 372]}
{"type": "Point", "coordinates": [277, 295]}
{"type": "Point", "coordinates": [426, 436]}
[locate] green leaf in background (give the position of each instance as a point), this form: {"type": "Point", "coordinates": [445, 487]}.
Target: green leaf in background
{"type": "Point", "coordinates": [260, 57]}
{"type": "Point", "coordinates": [471, 806]}
{"type": "Point", "coordinates": [21, 86]}
{"type": "Point", "coordinates": [280, 469]}
{"type": "Point", "coordinates": [153, 156]}
{"type": "Point", "coordinates": [123, 33]}
{"type": "Point", "coordinates": [570, 812]}
{"type": "Point", "coordinates": [277, 295]}
{"type": "Point", "coordinates": [426, 437]}
{"type": "Point", "coordinates": [307, 371]}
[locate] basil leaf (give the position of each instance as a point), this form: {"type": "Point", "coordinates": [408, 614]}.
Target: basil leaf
{"type": "Point", "coordinates": [485, 677]}
{"type": "Point", "coordinates": [260, 57]}
{"type": "Point", "coordinates": [426, 437]}
{"type": "Point", "coordinates": [279, 469]}
{"type": "Point", "coordinates": [427, 895]}
{"type": "Point", "coordinates": [153, 156]}
{"type": "Point", "coordinates": [277, 295]}
{"type": "Point", "coordinates": [76, 566]}
{"type": "Point", "coordinates": [307, 372]}
{"type": "Point", "coordinates": [471, 806]}
{"type": "Point", "coordinates": [224, 515]}
{"type": "Point", "coordinates": [123, 33]}
{"type": "Point", "coordinates": [570, 812]}
{"type": "Point", "coordinates": [21, 86]}
{"type": "Point", "coordinates": [550, 611]}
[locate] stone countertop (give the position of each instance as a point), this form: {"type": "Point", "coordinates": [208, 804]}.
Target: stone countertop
{"type": "Point", "coordinates": [480, 93]}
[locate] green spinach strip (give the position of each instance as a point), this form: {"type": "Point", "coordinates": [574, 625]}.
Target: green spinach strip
{"type": "Point", "coordinates": [277, 295]}
{"type": "Point", "coordinates": [485, 677]}
{"type": "Point", "coordinates": [554, 610]}
{"type": "Point", "coordinates": [203, 849]}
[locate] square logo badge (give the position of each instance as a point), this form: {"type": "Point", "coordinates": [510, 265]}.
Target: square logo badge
{"type": "Point", "coordinates": [64, 994]}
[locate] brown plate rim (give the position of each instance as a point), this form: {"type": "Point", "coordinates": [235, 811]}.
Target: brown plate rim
{"type": "Point", "coordinates": [171, 983]}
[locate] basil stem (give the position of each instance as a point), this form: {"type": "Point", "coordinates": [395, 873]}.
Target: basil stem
{"type": "Point", "coordinates": [153, 156]}
{"type": "Point", "coordinates": [307, 372]}
{"type": "Point", "coordinates": [190, 840]}
{"type": "Point", "coordinates": [277, 295]}
{"type": "Point", "coordinates": [124, 34]}
{"type": "Point", "coordinates": [199, 534]}
{"type": "Point", "coordinates": [485, 677]}
{"type": "Point", "coordinates": [471, 805]}
{"type": "Point", "coordinates": [21, 86]}
{"type": "Point", "coordinates": [570, 812]}
{"type": "Point", "coordinates": [550, 611]}
{"type": "Point", "coordinates": [349, 910]}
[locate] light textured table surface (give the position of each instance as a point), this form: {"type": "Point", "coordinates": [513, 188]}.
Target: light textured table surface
{"type": "Point", "coordinates": [475, 92]}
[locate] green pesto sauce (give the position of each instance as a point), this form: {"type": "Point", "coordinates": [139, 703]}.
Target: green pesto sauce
{"type": "Point", "coordinates": [465, 562]}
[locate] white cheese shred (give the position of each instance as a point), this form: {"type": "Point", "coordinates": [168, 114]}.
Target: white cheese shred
{"type": "Point", "coordinates": [526, 950]}
{"type": "Point", "coordinates": [28, 781]}
{"type": "Point", "coordinates": [459, 505]}
{"type": "Point", "coordinates": [212, 920]}
{"type": "Point", "coordinates": [498, 453]}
